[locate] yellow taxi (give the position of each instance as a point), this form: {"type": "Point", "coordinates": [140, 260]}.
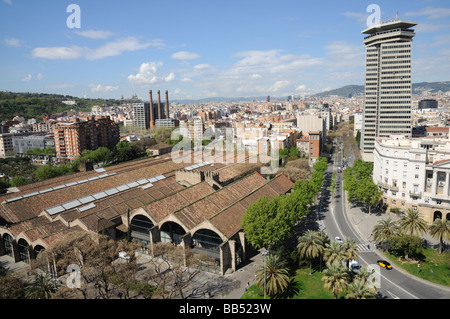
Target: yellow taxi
{"type": "Point", "coordinates": [384, 264]}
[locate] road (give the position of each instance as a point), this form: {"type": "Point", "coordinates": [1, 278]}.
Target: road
{"type": "Point", "coordinates": [334, 220]}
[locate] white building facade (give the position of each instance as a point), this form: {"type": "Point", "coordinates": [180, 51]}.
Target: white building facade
{"type": "Point", "coordinates": [414, 173]}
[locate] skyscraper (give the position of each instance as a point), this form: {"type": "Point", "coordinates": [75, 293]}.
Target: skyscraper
{"type": "Point", "coordinates": [387, 100]}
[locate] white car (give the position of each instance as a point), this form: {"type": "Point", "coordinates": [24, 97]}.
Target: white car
{"type": "Point", "coordinates": [338, 239]}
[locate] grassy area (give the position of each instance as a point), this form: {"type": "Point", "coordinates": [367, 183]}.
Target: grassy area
{"type": "Point", "coordinates": [303, 286]}
{"type": "Point", "coordinates": [433, 267]}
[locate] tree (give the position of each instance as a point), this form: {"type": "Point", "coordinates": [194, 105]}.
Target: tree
{"type": "Point", "coordinates": [412, 223]}
{"type": "Point", "coordinates": [440, 229]}
{"type": "Point", "coordinates": [335, 278]}
{"type": "Point", "coordinates": [359, 290]}
{"type": "Point", "coordinates": [275, 274]}
{"type": "Point", "coordinates": [11, 286]}
{"type": "Point", "coordinates": [3, 185]}
{"type": "Point", "coordinates": [19, 181]}
{"type": "Point", "coordinates": [350, 251]}
{"type": "Point", "coordinates": [404, 244]}
{"type": "Point", "coordinates": [384, 230]}
{"type": "Point", "coordinates": [41, 288]}
{"type": "Point", "coordinates": [368, 193]}
{"type": "Point", "coordinates": [333, 253]}
{"type": "Point", "coordinates": [267, 222]}
{"type": "Point", "coordinates": [310, 246]}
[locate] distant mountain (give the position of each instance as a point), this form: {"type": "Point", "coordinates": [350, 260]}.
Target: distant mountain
{"type": "Point", "coordinates": [344, 91]}
{"type": "Point", "coordinates": [418, 88]}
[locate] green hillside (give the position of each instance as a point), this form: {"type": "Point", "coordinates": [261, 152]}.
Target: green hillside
{"type": "Point", "coordinates": [417, 88]}
{"type": "Point", "coordinates": [38, 105]}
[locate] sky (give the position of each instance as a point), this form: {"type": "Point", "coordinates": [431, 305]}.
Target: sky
{"type": "Point", "coordinates": [204, 48]}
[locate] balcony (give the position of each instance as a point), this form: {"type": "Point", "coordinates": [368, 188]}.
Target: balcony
{"type": "Point", "coordinates": [394, 188]}
{"type": "Point", "coordinates": [415, 193]}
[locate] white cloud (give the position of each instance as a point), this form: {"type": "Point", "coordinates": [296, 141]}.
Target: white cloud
{"type": "Point", "coordinates": [201, 66]}
{"type": "Point", "coordinates": [148, 74]}
{"type": "Point", "coordinates": [360, 18]}
{"type": "Point", "coordinates": [58, 53]}
{"type": "Point", "coordinates": [8, 2]}
{"type": "Point", "coordinates": [27, 78]}
{"type": "Point", "coordinates": [109, 49]}
{"type": "Point", "coordinates": [186, 79]}
{"type": "Point", "coordinates": [430, 12]}
{"type": "Point", "coordinates": [95, 34]}
{"type": "Point", "coordinates": [116, 48]}
{"type": "Point", "coordinates": [12, 42]}
{"type": "Point", "coordinates": [278, 85]}
{"type": "Point", "coordinates": [301, 87]}
{"type": "Point", "coordinates": [39, 76]}
{"type": "Point", "coordinates": [170, 77]}
{"type": "Point", "coordinates": [184, 55]}
{"type": "Point", "coordinates": [103, 89]}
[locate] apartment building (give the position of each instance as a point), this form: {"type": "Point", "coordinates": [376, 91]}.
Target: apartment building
{"type": "Point", "coordinates": [414, 173]}
{"type": "Point", "coordinates": [72, 138]}
{"type": "Point", "coordinates": [387, 96]}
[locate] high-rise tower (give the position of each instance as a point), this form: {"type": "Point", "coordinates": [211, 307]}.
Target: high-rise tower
{"type": "Point", "coordinates": [387, 100]}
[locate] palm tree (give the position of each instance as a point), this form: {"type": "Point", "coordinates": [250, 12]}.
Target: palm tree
{"type": "Point", "coordinates": [333, 253]}
{"type": "Point", "coordinates": [384, 230]}
{"type": "Point", "coordinates": [336, 278]}
{"type": "Point", "coordinates": [364, 274]}
{"type": "Point", "coordinates": [310, 246]}
{"type": "Point", "coordinates": [276, 276]}
{"type": "Point", "coordinates": [41, 288]}
{"type": "Point", "coordinates": [359, 290]}
{"type": "Point", "coordinates": [412, 223]}
{"type": "Point", "coordinates": [440, 229]}
{"type": "Point", "coordinates": [350, 250]}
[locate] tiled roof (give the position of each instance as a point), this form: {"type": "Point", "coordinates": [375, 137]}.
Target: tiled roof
{"type": "Point", "coordinates": [210, 205]}
{"type": "Point", "coordinates": [228, 221]}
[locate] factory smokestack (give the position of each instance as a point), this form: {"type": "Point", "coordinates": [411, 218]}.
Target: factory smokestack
{"type": "Point", "coordinates": [167, 104]}
{"type": "Point", "coordinates": [152, 118]}
{"type": "Point", "coordinates": [159, 105]}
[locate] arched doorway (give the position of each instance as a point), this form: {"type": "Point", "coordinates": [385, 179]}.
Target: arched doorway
{"type": "Point", "coordinates": [140, 230]}
{"type": "Point", "coordinates": [37, 250]}
{"type": "Point", "coordinates": [140, 227]}
{"type": "Point", "coordinates": [172, 233]}
{"type": "Point", "coordinates": [8, 244]}
{"type": "Point", "coordinates": [23, 247]}
{"type": "Point", "coordinates": [206, 239]}
{"type": "Point", "coordinates": [447, 217]}
{"type": "Point", "coordinates": [207, 242]}
{"type": "Point", "coordinates": [437, 214]}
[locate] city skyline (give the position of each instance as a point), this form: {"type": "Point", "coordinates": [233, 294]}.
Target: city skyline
{"type": "Point", "coordinates": [202, 49]}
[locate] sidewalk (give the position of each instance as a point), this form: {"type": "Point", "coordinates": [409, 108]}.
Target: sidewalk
{"type": "Point", "coordinates": [364, 223]}
{"type": "Point", "coordinates": [244, 275]}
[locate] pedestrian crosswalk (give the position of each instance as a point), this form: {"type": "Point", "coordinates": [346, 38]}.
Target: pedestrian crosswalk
{"type": "Point", "coordinates": [363, 247]}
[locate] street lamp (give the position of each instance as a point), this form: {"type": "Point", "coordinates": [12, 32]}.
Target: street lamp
{"type": "Point", "coordinates": [265, 253]}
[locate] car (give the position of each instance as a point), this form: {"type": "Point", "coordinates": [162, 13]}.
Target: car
{"type": "Point", "coordinates": [338, 239]}
{"type": "Point", "coordinates": [384, 264]}
{"type": "Point", "coordinates": [354, 267]}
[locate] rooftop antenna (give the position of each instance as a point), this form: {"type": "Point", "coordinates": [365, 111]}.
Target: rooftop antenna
{"type": "Point", "coordinates": [396, 16]}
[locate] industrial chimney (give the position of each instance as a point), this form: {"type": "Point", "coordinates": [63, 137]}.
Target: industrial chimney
{"type": "Point", "coordinates": [159, 105]}
{"type": "Point", "coordinates": [167, 104]}
{"type": "Point", "coordinates": [152, 119]}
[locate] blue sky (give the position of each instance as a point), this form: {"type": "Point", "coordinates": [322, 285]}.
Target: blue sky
{"type": "Point", "coordinates": [205, 48]}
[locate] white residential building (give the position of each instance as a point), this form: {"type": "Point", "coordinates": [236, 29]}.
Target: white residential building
{"type": "Point", "coordinates": [387, 94]}
{"type": "Point", "coordinates": [414, 173]}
